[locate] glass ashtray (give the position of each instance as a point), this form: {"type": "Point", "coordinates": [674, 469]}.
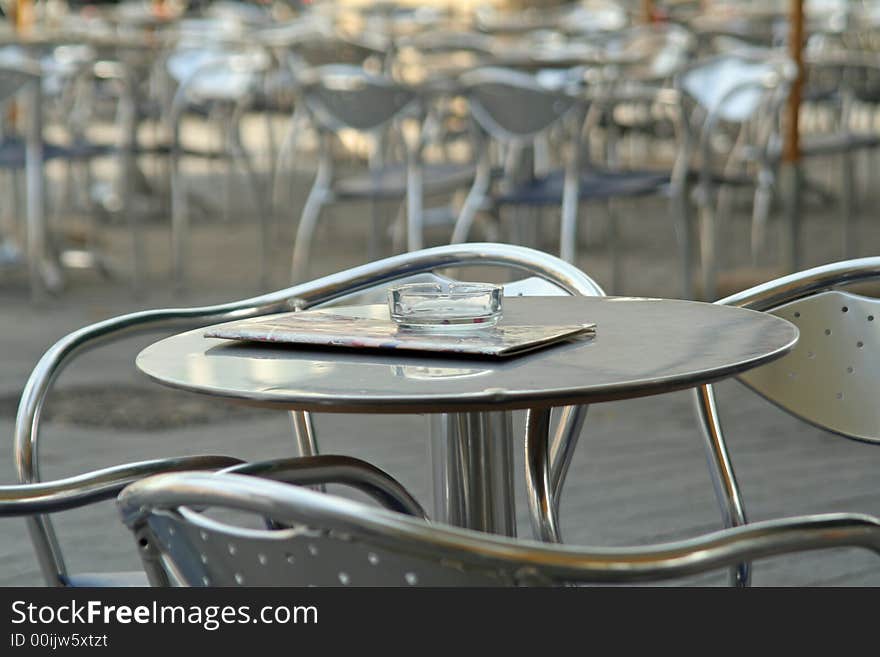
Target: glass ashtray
{"type": "Point", "coordinates": [445, 306]}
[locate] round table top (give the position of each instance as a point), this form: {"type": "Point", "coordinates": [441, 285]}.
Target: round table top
{"type": "Point", "coordinates": [641, 347]}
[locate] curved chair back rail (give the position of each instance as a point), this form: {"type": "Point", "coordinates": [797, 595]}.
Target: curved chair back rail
{"type": "Point", "coordinates": [827, 380]}
{"type": "Point", "coordinates": [321, 291]}
{"type": "Point", "coordinates": [341, 96]}
{"type": "Point", "coordinates": [336, 542]}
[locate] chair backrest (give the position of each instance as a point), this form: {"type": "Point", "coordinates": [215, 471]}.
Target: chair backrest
{"type": "Point", "coordinates": [324, 540]}
{"type": "Point", "coordinates": [653, 51]}
{"type": "Point", "coordinates": [734, 86]}
{"type": "Point", "coordinates": [512, 105]}
{"type": "Point", "coordinates": [341, 96]}
{"type": "Point", "coordinates": [831, 377]}
{"type": "Point", "coordinates": [214, 73]}
{"type": "Point", "coordinates": [331, 541]}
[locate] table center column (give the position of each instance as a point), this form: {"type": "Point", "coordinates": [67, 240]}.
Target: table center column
{"type": "Point", "coordinates": [472, 465]}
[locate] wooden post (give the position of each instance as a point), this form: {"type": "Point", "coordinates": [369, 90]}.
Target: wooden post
{"type": "Point", "coordinates": [24, 14]}
{"type": "Point", "coordinates": [792, 151]}
{"type": "Point", "coordinates": [647, 11]}
{"type": "Point", "coordinates": [791, 170]}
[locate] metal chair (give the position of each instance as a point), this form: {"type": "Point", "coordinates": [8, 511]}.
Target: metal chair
{"type": "Point", "coordinates": [828, 380]}
{"type": "Point", "coordinates": [739, 97]}
{"type": "Point", "coordinates": [339, 542]}
{"type": "Point", "coordinates": [642, 64]}
{"type": "Point", "coordinates": [66, 76]}
{"type": "Point", "coordinates": [91, 487]}
{"type": "Point", "coordinates": [837, 84]}
{"type": "Point", "coordinates": [88, 488]}
{"type": "Point", "coordinates": [549, 275]}
{"type": "Point", "coordinates": [513, 109]}
{"type": "Point", "coordinates": [343, 97]}
{"type": "Point", "coordinates": [25, 79]}
{"type": "Point", "coordinates": [221, 80]}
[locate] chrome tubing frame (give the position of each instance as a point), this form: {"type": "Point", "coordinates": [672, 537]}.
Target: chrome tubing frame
{"type": "Point", "coordinates": [527, 562]}
{"type": "Point", "coordinates": [305, 295]}
{"type": "Point", "coordinates": [763, 297]}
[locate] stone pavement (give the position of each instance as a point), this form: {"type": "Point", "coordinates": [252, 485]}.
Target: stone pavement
{"type": "Point", "coordinates": [639, 474]}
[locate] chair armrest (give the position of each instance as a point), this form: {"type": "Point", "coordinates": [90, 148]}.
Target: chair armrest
{"type": "Point", "coordinates": [84, 489]}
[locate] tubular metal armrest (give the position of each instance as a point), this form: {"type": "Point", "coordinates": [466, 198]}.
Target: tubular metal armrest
{"type": "Point", "coordinates": [530, 562]}
{"type": "Point", "coordinates": [84, 489]}
{"type": "Point", "coordinates": [800, 284]}
{"type": "Point", "coordinates": [331, 469]}
{"type": "Point", "coordinates": [305, 295]}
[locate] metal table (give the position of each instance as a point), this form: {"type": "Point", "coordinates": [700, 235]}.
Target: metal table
{"type": "Point", "coordinates": [641, 347]}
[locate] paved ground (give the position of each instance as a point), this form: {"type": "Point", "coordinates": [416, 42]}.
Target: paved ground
{"type": "Point", "coordinates": [639, 474]}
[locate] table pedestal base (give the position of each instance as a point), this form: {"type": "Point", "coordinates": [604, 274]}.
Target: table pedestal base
{"type": "Point", "coordinates": [472, 466]}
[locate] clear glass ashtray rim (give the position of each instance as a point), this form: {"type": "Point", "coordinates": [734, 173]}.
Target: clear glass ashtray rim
{"type": "Point", "coordinates": [436, 290]}
{"type": "Point", "coordinates": [453, 292]}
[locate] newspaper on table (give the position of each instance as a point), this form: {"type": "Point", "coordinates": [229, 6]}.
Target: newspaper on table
{"type": "Point", "coordinates": [327, 329]}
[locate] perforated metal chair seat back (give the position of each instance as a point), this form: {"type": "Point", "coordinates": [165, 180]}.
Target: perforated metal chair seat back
{"type": "Point", "coordinates": [206, 553]}
{"type": "Point", "coordinates": [831, 377]}
{"type": "Point", "coordinates": [342, 96]}
{"type": "Point", "coordinates": [325, 540]}
{"type": "Point", "coordinates": [509, 104]}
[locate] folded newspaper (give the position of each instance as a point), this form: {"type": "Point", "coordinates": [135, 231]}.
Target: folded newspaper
{"type": "Point", "coordinates": [326, 329]}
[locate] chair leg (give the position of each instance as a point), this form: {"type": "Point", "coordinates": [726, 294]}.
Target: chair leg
{"type": "Point", "coordinates": [568, 232]}
{"type": "Point", "coordinates": [286, 149]}
{"type": "Point", "coordinates": [708, 242]}
{"type": "Point", "coordinates": [562, 446]}
{"type": "Point", "coordinates": [305, 232]}
{"type": "Point", "coordinates": [614, 249]}
{"type": "Point", "coordinates": [415, 200]}
{"type": "Point", "coordinates": [760, 213]}
{"type": "Point", "coordinates": [475, 199]}
{"type": "Point", "coordinates": [545, 523]}
{"type": "Point", "coordinates": [179, 223]}
{"type": "Point", "coordinates": [681, 216]}
{"type": "Point", "coordinates": [791, 183]}
{"type": "Point", "coordinates": [263, 209]}
{"type": "Point", "coordinates": [848, 193]}
{"type": "Point", "coordinates": [373, 246]}
{"type": "Point", "coordinates": [721, 470]}
{"type": "Point", "coordinates": [304, 433]}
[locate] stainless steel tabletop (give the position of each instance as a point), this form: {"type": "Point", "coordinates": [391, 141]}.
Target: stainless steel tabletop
{"type": "Point", "coordinates": [641, 347]}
